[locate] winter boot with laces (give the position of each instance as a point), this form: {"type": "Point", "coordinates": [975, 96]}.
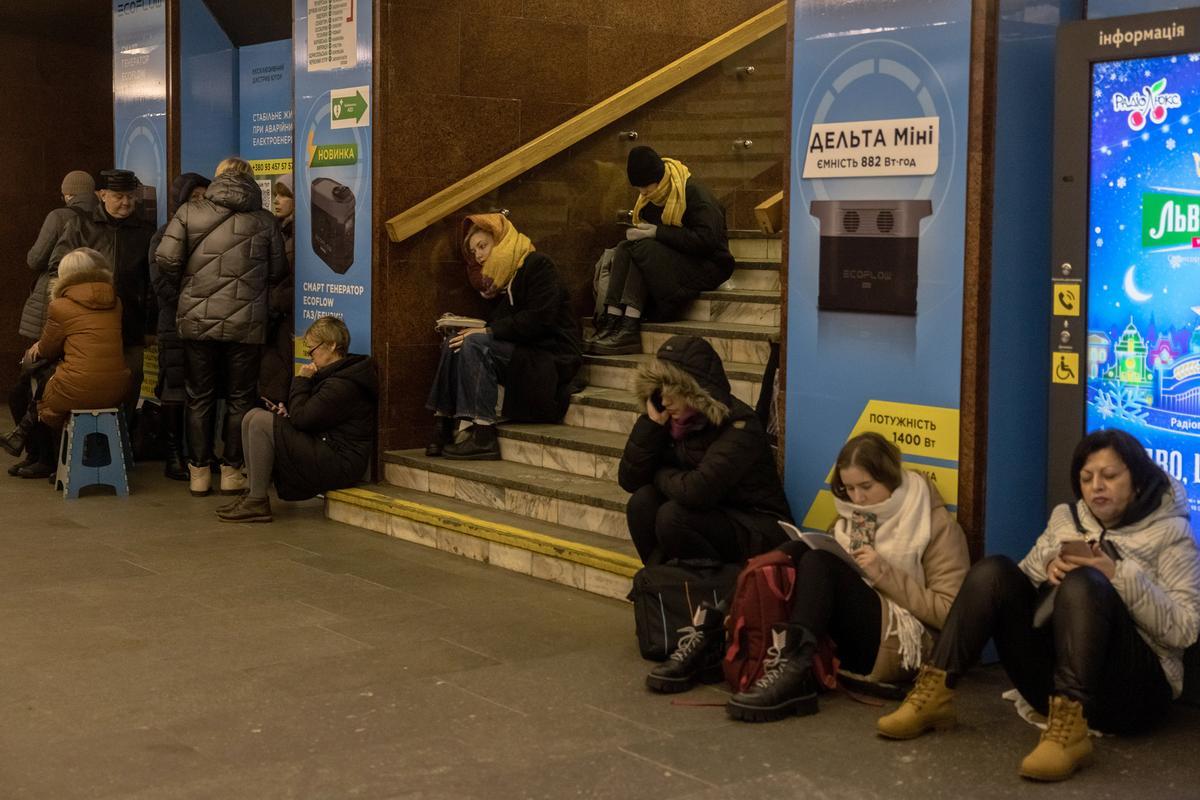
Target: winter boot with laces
{"type": "Point", "coordinates": [929, 705]}
{"type": "Point", "coordinates": [1064, 746]}
{"type": "Point", "coordinates": [697, 657]}
{"type": "Point", "coordinates": [787, 686]}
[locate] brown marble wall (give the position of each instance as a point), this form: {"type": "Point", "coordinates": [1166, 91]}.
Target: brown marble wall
{"type": "Point", "coordinates": [462, 82]}
{"type": "Point", "coordinates": [67, 77]}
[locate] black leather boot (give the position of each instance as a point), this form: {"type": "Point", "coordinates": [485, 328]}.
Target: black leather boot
{"type": "Point", "coordinates": [481, 444]}
{"type": "Point", "coordinates": [697, 657]}
{"type": "Point", "coordinates": [625, 338]}
{"type": "Point", "coordinates": [604, 327]}
{"type": "Point", "coordinates": [14, 442]}
{"type": "Point", "coordinates": [443, 434]}
{"type": "Point", "coordinates": [174, 465]}
{"type": "Point", "coordinates": [787, 686]}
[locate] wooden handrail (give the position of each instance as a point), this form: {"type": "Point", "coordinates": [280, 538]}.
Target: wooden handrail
{"type": "Point", "coordinates": [529, 155]}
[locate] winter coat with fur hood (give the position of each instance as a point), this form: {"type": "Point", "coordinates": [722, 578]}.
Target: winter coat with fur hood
{"type": "Point", "coordinates": [228, 253]}
{"type": "Point", "coordinates": [725, 463]}
{"type": "Point", "coordinates": [83, 328]}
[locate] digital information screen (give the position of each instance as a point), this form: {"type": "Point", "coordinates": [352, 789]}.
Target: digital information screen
{"type": "Point", "coordinates": [1143, 309]}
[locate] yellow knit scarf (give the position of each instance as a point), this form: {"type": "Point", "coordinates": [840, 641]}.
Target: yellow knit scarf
{"type": "Point", "coordinates": [670, 194]}
{"type": "Point", "coordinates": [509, 249]}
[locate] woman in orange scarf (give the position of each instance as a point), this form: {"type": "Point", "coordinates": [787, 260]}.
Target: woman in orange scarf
{"type": "Point", "coordinates": [531, 345]}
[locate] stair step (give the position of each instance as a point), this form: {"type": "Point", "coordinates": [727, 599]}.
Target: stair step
{"type": "Point", "coordinates": [604, 409]}
{"type": "Point", "coordinates": [759, 250]}
{"type": "Point", "coordinates": [732, 341]}
{"type": "Point", "coordinates": [587, 452]}
{"type": "Point", "coordinates": [591, 504]}
{"type": "Point", "coordinates": [619, 372]}
{"type": "Point", "coordinates": [745, 306]}
{"type": "Point", "coordinates": [543, 550]}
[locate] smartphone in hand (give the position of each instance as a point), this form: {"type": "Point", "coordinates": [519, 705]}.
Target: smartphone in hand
{"type": "Point", "coordinates": [657, 401]}
{"type": "Point", "coordinates": [272, 407]}
{"type": "Point", "coordinates": [1075, 547]}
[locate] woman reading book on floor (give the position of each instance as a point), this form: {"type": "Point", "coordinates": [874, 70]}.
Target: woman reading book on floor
{"type": "Point", "coordinates": [1091, 625]}
{"type": "Point", "coordinates": [531, 345]}
{"type": "Point", "coordinates": [909, 557]}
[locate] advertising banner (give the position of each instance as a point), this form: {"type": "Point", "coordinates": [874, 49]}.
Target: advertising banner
{"type": "Point", "coordinates": [265, 121]}
{"type": "Point", "coordinates": [333, 64]}
{"type": "Point", "coordinates": [1143, 309]}
{"type": "Point", "coordinates": [875, 284]}
{"type": "Point", "coordinates": [140, 97]}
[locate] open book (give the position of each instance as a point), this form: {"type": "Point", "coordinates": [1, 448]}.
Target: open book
{"type": "Point", "coordinates": [448, 323]}
{"type": "Point", "coordinates": [822, 541]}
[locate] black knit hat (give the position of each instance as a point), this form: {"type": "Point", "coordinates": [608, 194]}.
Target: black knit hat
{"type": "Point", "coordinates": [119, 180]}
{"type": "Point", "coordinates": [644, 167]}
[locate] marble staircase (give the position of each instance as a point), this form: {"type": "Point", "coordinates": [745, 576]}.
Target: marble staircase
{"type": "Point", "coordinates": [551, 508]}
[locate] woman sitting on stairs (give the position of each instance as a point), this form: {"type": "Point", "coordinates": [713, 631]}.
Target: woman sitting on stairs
{"type": "Point", "coordinates": [698, 464]}
{"type": "Point", "coordinates": [531, 346]}
{"type": "Point", "coordinates": [675, 249]}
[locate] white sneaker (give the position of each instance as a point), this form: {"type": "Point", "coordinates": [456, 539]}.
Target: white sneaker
{"type": "Point", "coordinates": [199, 480]}
{"type": "Point", "coordinates": [232, 479]}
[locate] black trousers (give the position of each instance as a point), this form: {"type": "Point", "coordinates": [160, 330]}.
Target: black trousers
{"type": "Point", "coordinates": [831, 599]}
{"type": "Point", "coordinates": [658, 280]}
{"type": "Point", "coordinates": [230, 364]}
{"type": "Point", "coordinates": [663, 530]}
{"type": "Point", "coordinates": [1090, 650]}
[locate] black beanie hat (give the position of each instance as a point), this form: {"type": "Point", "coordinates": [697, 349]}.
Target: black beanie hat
{"type": "Point", "coordinates": [119, 180]}
{"type": "Point", "coordinates": [644, 167]}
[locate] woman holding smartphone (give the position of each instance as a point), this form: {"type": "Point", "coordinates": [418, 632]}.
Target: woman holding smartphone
{"type": "Point", "coordinates": [698, 464]}
{"type": "Point", "coordinates": [1091, 625]}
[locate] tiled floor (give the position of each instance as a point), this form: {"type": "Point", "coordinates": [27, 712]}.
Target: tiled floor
{"type": "Point", "coordinates": [150, 651]}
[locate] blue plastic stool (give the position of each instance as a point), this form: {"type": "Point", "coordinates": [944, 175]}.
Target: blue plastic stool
{"type": "Point", "coordinates": [95, 451]}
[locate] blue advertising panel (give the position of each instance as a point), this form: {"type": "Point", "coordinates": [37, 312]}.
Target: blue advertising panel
{"type": "Point", "coordinates": [140, 96]}
{"type": "Point", "coordinates": [876, 238]}
{"type": "Point", "coordinates": [208, 99]}
{"type": "Point", "coordinates": [333, 63]}
{"type": "Point", "coordinates": [1143, 305]}
{"type": "Point", "coordinates": [266, 126]}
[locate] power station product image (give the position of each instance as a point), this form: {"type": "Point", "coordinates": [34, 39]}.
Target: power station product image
{"type": "Point", "coordinates": [869, 254]}
{"type": "Point", "coordinates": [333, 223]}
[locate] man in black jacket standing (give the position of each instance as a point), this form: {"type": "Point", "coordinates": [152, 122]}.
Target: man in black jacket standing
{"type": "Point", "coordinates": [675, 249]}
{"type": "Point", "coordinates": [123, 237]}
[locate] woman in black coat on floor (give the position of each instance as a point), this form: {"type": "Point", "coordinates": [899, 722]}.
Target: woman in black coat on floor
{"type": "Point", "coordinates": [320, 440]}
{"type": "Point", "coordinates": [698, 464]}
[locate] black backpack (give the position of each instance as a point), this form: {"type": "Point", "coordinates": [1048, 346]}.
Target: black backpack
{"type": "Point", "coordinates": [666, 596]}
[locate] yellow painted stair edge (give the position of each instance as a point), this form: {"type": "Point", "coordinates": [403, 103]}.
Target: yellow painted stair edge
{"type": "Point", "coordinates": [596, 557]}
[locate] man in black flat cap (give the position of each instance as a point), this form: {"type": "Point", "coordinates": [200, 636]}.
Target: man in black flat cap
{"type": "Point", "coordinates": [675, 249]}
{"type": "Point", "coordinates": [124, 239]}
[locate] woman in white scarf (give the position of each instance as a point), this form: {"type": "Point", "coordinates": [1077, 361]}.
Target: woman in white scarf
{"type": "Point", "coordinates": [882, 605]}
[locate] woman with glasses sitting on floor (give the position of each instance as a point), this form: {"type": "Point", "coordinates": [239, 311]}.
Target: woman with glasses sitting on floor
{"type": "Point", "coordinates": [321, 439]}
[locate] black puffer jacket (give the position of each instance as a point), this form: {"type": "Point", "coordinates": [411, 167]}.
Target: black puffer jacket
{"type": "Point", "coordinates": [229, 253]}
{"type": "Point", "coordinates": [327, 439]}
{"type": "Point", "coordinates": [535, 314]}
{"type": "Point", "coordinates": [171, 367]}
{"type": "Point", "coordinates": [33, 315]}
{"type": "Point", "coordinates": [724, 463]}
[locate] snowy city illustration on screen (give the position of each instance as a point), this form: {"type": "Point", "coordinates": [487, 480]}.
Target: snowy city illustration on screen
{"type": "Point", "coordinates": [1143, 346]}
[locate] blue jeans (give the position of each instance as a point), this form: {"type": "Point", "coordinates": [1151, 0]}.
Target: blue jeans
{"type": "Point", "coordinates": [467, 383]}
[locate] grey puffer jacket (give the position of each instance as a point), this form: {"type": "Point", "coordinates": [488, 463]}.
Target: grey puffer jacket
{"type": "Point", "coordinates": [33, 315]}
{"type": "Point", "coordinates": [227, 251]}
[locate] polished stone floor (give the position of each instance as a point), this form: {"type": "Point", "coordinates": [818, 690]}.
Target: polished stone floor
{"type": "Point", "coordinates": [149, 651]}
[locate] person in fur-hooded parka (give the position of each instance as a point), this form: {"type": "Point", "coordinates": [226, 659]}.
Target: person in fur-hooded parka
{"type": "Point", "coordinates": [698, 464]}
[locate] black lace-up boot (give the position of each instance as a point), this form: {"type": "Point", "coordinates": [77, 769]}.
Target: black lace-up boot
{"type": "Point", "coordinates": [787, 686]}
{"type": "Point", "coordinates": [697, 657]}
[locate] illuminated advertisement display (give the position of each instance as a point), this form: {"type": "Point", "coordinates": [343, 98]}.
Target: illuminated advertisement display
{"type": "Point", "coordinates": [1143, 305]}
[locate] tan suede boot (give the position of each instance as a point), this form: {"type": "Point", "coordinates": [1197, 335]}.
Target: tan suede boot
{"type": "Point", "coordinates": [1064, 746]}
{"type": "Point", "coordinates": [199, 480]}
{"type": "Point", "coordinates": [929, 705]}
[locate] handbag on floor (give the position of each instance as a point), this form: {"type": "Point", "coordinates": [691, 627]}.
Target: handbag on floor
{"type": "Point", "coordinates": [665, 597]}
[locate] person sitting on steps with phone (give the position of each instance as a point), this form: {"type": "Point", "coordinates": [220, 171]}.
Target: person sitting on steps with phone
{"type": "Point", "coordinates": [321, 439]}
{"type": "Point", "coordinates": [675, 249]}
{"type": "Point", "coordinates": [531, 346]}
{"type": "Point", "coordinates": [698, 464]}
{"type": "Point", "coordinates": [1091, 625]}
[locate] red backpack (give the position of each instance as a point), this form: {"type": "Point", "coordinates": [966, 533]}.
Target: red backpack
{"type": "Point", "coordinates": [761, 599]}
